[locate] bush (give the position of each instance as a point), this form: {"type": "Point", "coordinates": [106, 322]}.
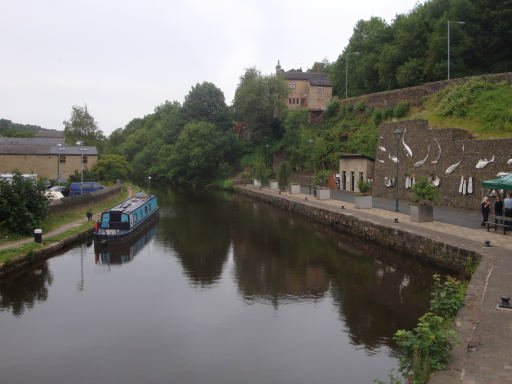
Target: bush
{"type": "Point", "coordinates": [322, 178]}
{"type": "Point", "coordinates": [447, 297]}
{"type": "Point", "coordinates": [401, 110]}
{"type": "Point", "coordinates": [260, 172]}
{"type": "Point", "coordinates": [283, 175]}
{"type": "Point", "coordinates": [364, 187]}
{"type": "Point", "coordinates": [423, 191]}
{"type": "Point", "coordinates": [23, 204]}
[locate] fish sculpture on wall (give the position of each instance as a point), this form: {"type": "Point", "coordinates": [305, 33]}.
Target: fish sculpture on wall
{"type": "Point", "coordinates": [380, 161]}
{"type": "Point", "coordinates": [436, 181]}
{"type": "Point", "coordinates": [509, 162]}
{"type": "Point", "coordinates": [461, 185]}
{"type": "Point", "coordinates": [421, 162]}
{"type": "Point", "coordinates": [383, 149]}
{"type": "Point", "coordinates": [388, 182]}
{"type": "Point", "coordinates": [395, 159]}
{"type": "Point", "coordinates": [483, 163]}
{"type": "Point", "coordinates": [407, 148]}
{"type": "Point", "coordinates": [502, 174]}
{"type": "Point", "coordinates": [436, 161]}
{"type": "Point", "coordinates": [470, 184]}
{"type": "Point", "coordinates": [453, 167]}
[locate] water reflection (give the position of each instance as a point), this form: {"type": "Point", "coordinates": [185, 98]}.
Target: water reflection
{"type": "Point", "coordinates": [22, 290]}
{"type": "Point", "coordinates": [123, 252]}
{"type": "Point", "coordinates": [198, 228]}
{"type": "Point", "coordinates": [279, 258]}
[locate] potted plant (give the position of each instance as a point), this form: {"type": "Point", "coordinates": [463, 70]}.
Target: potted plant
{"type": "Point", "coordinates": [259, 172]}
{"type": "Point", "coordinates": [322, 191]}
{"type": "Point", "coordinates": [363, 198]}
{"type": "Point", "coordinates": [424, 195]}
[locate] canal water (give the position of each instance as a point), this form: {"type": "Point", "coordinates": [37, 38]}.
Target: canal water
{"type": "Point", "coordinates": [221, 289]}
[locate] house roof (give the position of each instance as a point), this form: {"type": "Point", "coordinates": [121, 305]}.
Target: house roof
{"type": "Point", "coordinates": [44, 141]}
{"type": "Point", "coordinates": [356, 156]}
{"type": "Point", "coordinates": [314, 78]}
{"type": "Point", "coordinates": [23, 149]}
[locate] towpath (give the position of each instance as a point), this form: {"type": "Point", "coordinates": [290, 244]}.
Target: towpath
{"type": "Point", "coordinates": [58, 230]}
{"type": "Point", "coordinates": [483, 354]}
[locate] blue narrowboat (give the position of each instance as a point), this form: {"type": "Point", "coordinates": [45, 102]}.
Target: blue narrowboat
{"type": "Point", "coordinates": [127, 218]}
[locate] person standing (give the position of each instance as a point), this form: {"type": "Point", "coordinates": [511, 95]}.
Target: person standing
{"type": "Point", "coordinates": [498, 208]}
{"type": "Point", "coordinates": [508, 207]}
{"type": "Point", "coordinates": [486, 207]}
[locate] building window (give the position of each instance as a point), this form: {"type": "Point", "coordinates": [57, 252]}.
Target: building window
{"type": "Point", "coordinates": [62, 159]}
{"type": "Point", "coordinates": [320, 89]}
{"type": "Point", "coordinates": [293, 85]}
{"type": "Point", "coordinates": [289, 101]}
{"type": "Point", "coordinates": [361, 176]}
{"type": "Point", "coordinates": [302, 101]}
{"type": "Point", "coordinates": [85, 159]}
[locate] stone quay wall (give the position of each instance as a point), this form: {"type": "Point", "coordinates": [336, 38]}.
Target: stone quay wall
{"type": "Point", "coordinates": [83, 201]}
{"type": "Point", "coordinates": [438, 253]}
{"type": "Point", "coordinates": [415, 95]}
{"type": "Point", "coordinates": [423, 140]}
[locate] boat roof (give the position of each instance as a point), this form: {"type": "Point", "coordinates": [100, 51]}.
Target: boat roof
{"type": "Point", "coordinates": [132, 203]}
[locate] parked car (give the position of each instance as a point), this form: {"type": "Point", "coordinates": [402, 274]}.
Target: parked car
{"type": "Point", "coordinates": [61, 189]}
{"type": "Point", "coordinates": [85, 187]}
{"type": "Point", "coordinates": [53, 195]}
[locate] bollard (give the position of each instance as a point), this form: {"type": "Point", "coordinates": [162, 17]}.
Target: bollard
{"type": "Point", "coordinates": [487, 243]}
{"type": "Point", "coordinates": [396, 220]}
{"type": "Point", "coordinates": [38, 235]}
{"type": "Point", "coordinates": [505, 302]}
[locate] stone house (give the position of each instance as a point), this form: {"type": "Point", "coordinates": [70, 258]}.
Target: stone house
{"type": "Point", "coordinates": [354, 167]}
{"type": "Point", "coordinates": [312, 90]}
{"type": "Point", "coordinates": [44, 156]}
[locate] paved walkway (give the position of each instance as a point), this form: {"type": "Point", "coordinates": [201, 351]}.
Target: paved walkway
{"type": "Point", "coordinates": [58, 230]}
{"type": "Point", "coordinates": [484, 353]}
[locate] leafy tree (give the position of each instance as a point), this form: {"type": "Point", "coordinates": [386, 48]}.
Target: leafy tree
{"type": "Point", "coordinates": [196, 155]}
{"type": "Point", "coordinates": [112, 167]}
{"type": "Point", "coordinates": [258, 101]}
{"type": "Point", "coordinates": [23, 204]}
{"type": "Point", "coordinates": [206, 102]}
{"type": "Point", "coordinates": [283, 175]}
{"type": "Point", "coordinates": [82, 127]}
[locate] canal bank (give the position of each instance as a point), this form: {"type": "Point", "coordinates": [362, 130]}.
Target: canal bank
{"type": "Point", "coordinates": [70, 232]}
{"type": "Point", "coordinates": [482, 354]}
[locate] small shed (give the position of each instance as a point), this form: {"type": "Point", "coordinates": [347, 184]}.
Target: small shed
{"type": "Point", "coordinates": [353, 167]}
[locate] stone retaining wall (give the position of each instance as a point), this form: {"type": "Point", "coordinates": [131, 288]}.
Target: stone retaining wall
{"type": "Point", "coordinates": [415, 95]}
{"type": "Point", "coordinates": [438, 253]}
{"type": "Point", "coordinates": [73, 202]}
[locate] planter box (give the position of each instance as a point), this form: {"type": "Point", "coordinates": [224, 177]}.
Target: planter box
{"type": "Point", "coordinates": [363, 202]}
{"type": "Point", "coordinates": [295, 188]}
{"type": "Point", "coordinates": [422, 213]}
{"type": "Point", "coordinates": [257, 183]}
{"type": "Point", "coordinates": [273, 185]}
{"type": "Point", "coordinates": [323, 194]}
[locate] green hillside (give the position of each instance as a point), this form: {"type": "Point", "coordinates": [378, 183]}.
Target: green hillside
{"type": "Point", "coordinates": [482, 107]}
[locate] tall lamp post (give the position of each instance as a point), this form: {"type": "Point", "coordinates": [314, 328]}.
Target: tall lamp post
{"type": "Point", "coordinates": [397, 133]}
{"type": "Point", "coordinates": [267, 161]}
{"type": "Point", "coordinates": [310, 141]}
{"type": "Point", "coordinates": [346, 71]}
{"type": "Point", "coordinates": [82, 149]}
{"type": "Point", "coordinates": [59, 149]}
{"type": "Point", "coordinates": [457, 22]}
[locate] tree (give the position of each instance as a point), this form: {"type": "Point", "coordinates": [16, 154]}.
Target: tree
{"type": "Point", "coordinates": [196, 155]}
{"type": "Point", "coordinates": [206, 102]}
{"type": "Point", "coordinates": [111, 168]}
{"type": "Point", "coordinates": [259, 100]}
{"type": "Point", "coordinates": [82, 127]}
{"type": "Point", "coordinates": [23, 204]}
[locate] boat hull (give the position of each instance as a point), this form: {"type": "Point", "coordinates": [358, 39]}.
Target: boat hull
{"type": "Point", "coordinates": [118, 236]}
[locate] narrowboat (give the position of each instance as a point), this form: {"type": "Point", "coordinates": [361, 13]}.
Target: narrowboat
{"type": "Point", "coordinates": [127, 218]}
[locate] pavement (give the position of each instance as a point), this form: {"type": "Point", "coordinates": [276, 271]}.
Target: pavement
{"type": "Point", "coordinates": [484, 352]}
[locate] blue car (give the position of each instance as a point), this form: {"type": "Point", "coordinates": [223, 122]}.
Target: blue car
{"type": "Point", "coordinates": [85, 187]}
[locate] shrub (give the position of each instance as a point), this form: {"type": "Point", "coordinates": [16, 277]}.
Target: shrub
{"type": "Point", "coordinates": [364, 187]}
{"type": "Point", "coordinates": [260, 172]}
{"type": "Point", "coordinates": [283, 175]}
{"type": "Point", "coordinates": [401, 110]}
{"type": "Point", "coordinates": [447, 297]}
{"type": "Point", "coordinates": [322, 178]}
{"type": "Point", "coordinates": [423, 191]}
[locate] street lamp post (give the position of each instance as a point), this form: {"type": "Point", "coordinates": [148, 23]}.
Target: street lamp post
{"type": "Point", "coordinates": [59, 149]}
{"type": "Point", "coordinates": [149, 182]}
{"type": "Point", "coordinates": [397, 133]}
{"type": "Point", "coordinates": [267, 162]}
{"type": "Point", "coordinates": [310, 141]}
{"type": "Point", "coordinates": [346, 71]}
{"type": "Point", "coordinates": [82, 149]}
{"type": "Point", "coordinates": [457, 22]}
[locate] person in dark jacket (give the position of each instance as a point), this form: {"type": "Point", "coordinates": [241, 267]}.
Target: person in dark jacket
{"type": "Point", "coordinates": [498, 207]}
{"type": "Point", "coordinates": [486, 207]}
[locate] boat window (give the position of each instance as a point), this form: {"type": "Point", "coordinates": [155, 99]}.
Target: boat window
{"type": "Point", "coordinates": [146, 209]}
{"type": "Point", "coordinates": [135, 217]}
{"type": "Point", "coordinates": [124, 218]}
{"type": "Point", "coordinates": [149, 205]}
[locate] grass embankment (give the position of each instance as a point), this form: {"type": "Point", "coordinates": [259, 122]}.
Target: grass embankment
{"type": "Point", "coordinates": [53, 222]}
{"type": "Point", "coordinates": [481, 106]}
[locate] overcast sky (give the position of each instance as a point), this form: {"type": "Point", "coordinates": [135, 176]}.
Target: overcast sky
{"type": "Point", "coordinates": [123, 58]}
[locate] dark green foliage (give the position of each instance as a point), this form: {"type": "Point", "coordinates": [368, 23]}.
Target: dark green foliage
{"type": "Point", "coordinates": [413, 48]}
{"type": "Point", "coordinates": [22, 205]}
{"type": "Point", "coordinates": [82, 127]}
{"type": "Point", "coordinates": [447, 296]}
{"type": "Point", "coordinates": [322, 177]}
{"type": "Point", "coordinates": [259, 172]}
{"type": "Point", "coordinates": [283, 175]}
{"type": "Point", "coordinates": [10, 129]}
{"type": "Point", "coordinates": [110, 168]}
{"type": "Point", "coordinates": [423, 191]}
{"type": "Point", "coordinates": [364, 187]}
